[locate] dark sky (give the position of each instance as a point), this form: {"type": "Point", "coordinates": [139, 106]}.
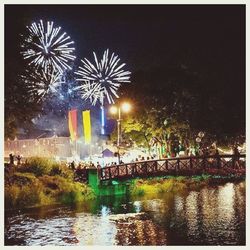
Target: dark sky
{"type": "Point", "coordinates": [208, 37]}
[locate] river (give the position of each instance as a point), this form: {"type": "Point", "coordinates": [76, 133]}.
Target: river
{"type": "Point", "coordinates": [212, 216]}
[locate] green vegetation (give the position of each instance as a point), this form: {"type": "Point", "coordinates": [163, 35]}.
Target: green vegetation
{"type": "Point", "coordinates": [142, 187]}
{"type": "Point", "coordinates": [43, 181]}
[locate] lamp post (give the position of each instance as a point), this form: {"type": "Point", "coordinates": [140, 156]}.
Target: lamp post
{"type": "Point", "coordinates": [125, 107]}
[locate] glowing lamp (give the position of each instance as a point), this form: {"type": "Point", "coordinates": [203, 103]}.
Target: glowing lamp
{"type": "Point", "coordinates": [126, 107]}
{"type": "Point", "coordinates": [113, 110]}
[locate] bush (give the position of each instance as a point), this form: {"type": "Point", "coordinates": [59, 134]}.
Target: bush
{"type": "Point", "coordinates": [43, 182]}
{"type": "Point", "coordinates": [180, 186]}
{"type": "Point", "coordinates": [55, 170]}
{"type": "Point", "coordinates": [181, 178]}
{"type": "Point", "coordinates": [65, 191]}
{"type": "Point", "coordinates": [77, 192]}
{"type": "Point", "coordinates": [62, 170]}
{"type": "Point", "coordinates": [167, 185]}
{"type": "Point", "coordinates": [39, 166]}
{"type": "Point", "coordinates": [21, 179]}
{"type": "Point", "coordinates": [11, 194]}
{"type": "Point", "coordinates": [30, 195]}
{"type": "Point", "coordinates": [22, 196]}
{"type": "Point", "coordinates": [170, 184]}
{"type": "Point", "coordinates": [141, 187]}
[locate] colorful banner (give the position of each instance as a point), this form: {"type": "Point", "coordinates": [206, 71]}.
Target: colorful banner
{"type": "Point", "coordinates": [73, 124]}
{"type": "Point", "coordinates": [86, 126]}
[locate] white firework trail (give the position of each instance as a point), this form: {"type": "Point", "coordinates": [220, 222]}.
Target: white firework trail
{"type": "Point", "coordinates": [101, 79]}
{"type": "Point", "coordinates": [40, 84]}
{"type": "Point", "coordinates": [46, 46]}
{"type": "Point", "coordinates": [90, 91]}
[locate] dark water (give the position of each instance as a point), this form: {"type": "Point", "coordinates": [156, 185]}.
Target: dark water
{"type": "Point", "coordinates": [212, 216]}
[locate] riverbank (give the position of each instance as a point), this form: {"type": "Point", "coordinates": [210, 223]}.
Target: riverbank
{"type": "Point", "coordinates": [141, 187]}
{"type": "Point", "coordinates": [42, 182]}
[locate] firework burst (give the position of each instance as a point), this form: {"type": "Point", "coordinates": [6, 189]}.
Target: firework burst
{"type": "Point", "coordinates": [90, 91]}
{"type": "Point", "coordinates": [101, 79]}
{"type": "Point", "coordinates": [41, 83]}
{"type": "Point", "coordinates": [45, 46]}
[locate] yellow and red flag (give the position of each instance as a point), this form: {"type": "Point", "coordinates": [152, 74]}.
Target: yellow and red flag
{"type": "Point", "coordinates": [73, 124]}
{"type": "Point", "coordinates": [86, 126]}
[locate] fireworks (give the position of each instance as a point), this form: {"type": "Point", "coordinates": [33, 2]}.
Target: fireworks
{"type": "Point", "coordinates": [91, 91]}
{"type": "Point", "coordinates": [40, 83]}
{"type": "Point", "coordinates": [47, 47]}
{"type": "Point", "coordinates": [102, 79]}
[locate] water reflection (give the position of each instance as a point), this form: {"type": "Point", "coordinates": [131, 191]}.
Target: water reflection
{"type": "Point", "coordinates": [137, 206]}
{"type": "Point", "coordinates": [192, 215]}
{"type": "Point", "coordinates": [138, 229]}
{"type": "Point", "coordinates": [212, 216]}
{"type": "Point", "coordinates": [94, 230]}
{"type": "Point", "coordinates": [226, 203]}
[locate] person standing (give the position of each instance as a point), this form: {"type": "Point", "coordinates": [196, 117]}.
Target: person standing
{"type": "Point", "coordinates": [19, 157]}
{"type": "Point", "coordinates": [11, 156]}
{"type": "Point", "coordinates": [72, 165]}
{"type": "Point", "coordinates": [236, 157]}
{"type": "Point", "coordinates": [217, 158]}
{"type": "Point", "coordinates": [99, 170]}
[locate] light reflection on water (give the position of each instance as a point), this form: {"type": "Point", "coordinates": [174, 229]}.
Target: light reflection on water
{"type": "Point", "coordinates": [212, 216]}
{"type": "Point", "coordinates": [192, 215]}
{"type": "Point", "coordinates": [93, 230]}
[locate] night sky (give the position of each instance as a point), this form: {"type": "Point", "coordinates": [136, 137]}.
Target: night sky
{"type": "Point", "coordinates": [209, 39]}
{"type": "Point", "coordinates": [206, 37]}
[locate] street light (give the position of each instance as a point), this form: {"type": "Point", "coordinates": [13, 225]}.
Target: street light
{"type": "Point", "coordinates": [124, 107]}
{"type": "Point", "coordinates": [113, 110]}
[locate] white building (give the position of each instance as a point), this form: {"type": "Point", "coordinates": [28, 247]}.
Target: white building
{"type": "Point", "coordinates": [44, 147]}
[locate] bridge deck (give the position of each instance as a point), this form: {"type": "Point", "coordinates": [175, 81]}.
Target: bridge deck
{"type": "Point", "coordinates": [214, 165]}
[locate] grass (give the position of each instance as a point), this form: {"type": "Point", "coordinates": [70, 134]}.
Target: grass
{"type": "Point", "coordinates": [142, 187]}
{"type": "Point", "coordinates": [43, 182]}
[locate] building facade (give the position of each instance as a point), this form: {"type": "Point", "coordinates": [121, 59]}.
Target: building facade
{"type": "Point", "coordinates": [54, 146]}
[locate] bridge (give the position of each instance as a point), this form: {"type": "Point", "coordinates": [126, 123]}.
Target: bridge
{"type": "Point", "coordinates": [223, 165]}
{"type": "Point", "coordinates": [117, 178]}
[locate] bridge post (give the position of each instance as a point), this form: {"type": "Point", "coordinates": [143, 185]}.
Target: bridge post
{"type": "Point", "coordinates": [145, 168]}
{"type": "Point", "coordinates": [166, 163]}
{"type": "Point", "coordinates": [178, 164]}
{"type": "Point", "coordinates": [134, 169]}
{"type": "Point", "coordinates": [218, 162]}
{"type": "Point", "coordinates": [117, 170]}
{"type": "Point", "coordinates": [126, 167]}
{"type": "Point", "coordinates": [109, 173]}
{"type": "Point", "coordinates": [203, 162]}
{"type": "Point", "coordinates": [156, 166]}
{"type": "Point", "coordinates": [191, 162]}
{"type": "Point", "coordinates": [93, 179]}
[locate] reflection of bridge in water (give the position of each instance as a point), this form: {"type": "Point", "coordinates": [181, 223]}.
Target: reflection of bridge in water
{"type": "Point", "coordinates": [224, 165]}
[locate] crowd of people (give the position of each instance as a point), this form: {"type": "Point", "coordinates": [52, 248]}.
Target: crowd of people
{"type": "Point", "coordinates": [82, 165]}
{"type": "Point", "coordinates": [138, 159]}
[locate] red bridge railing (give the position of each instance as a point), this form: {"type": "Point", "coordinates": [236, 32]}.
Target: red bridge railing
{"type": "Point", "coordinates": [212, 164]}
